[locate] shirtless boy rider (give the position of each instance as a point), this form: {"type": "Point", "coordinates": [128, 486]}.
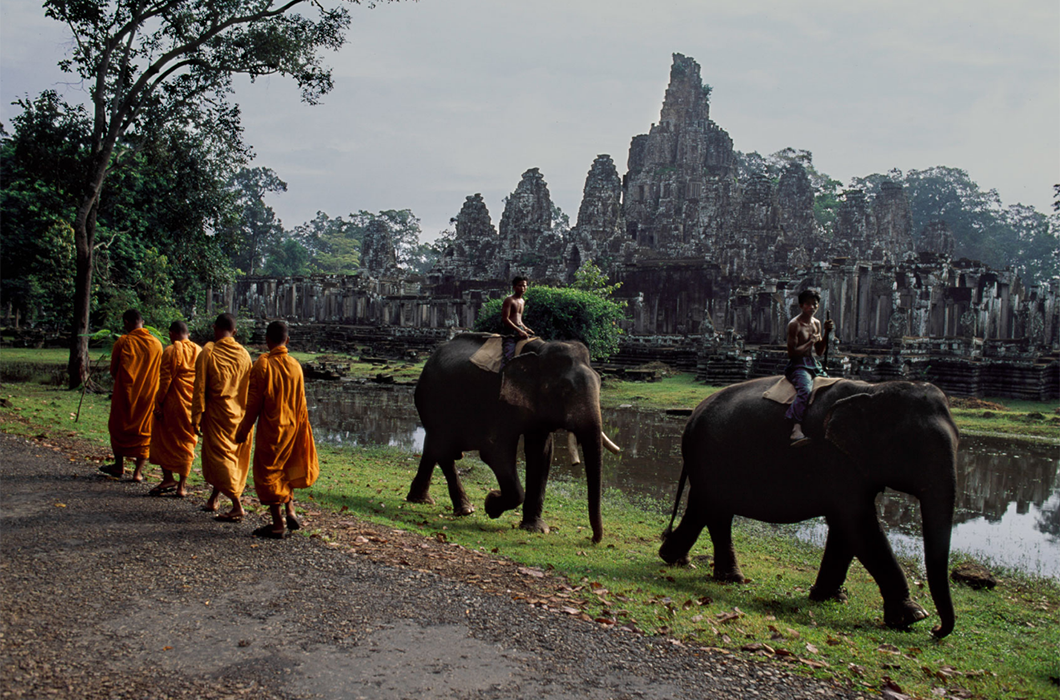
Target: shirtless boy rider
{"type": "Point", "coordinates": [512, 318]}
{"type": "Point", "coordinates": [804, 338]}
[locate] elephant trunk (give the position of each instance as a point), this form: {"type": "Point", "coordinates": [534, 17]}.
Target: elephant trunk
{"type": "Point", "coordinates": [592, 444]}
{"type": "Point", "coordinates": [937, 510]}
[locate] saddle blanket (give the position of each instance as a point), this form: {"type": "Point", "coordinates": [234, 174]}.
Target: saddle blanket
{"type": "Point", "coordinates": [784, 391]}
{"type": "Point", "coordinates": [489, 356]}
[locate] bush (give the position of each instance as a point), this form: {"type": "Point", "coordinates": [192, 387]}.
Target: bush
{"type": "Point", "coordinates": [564, 314]}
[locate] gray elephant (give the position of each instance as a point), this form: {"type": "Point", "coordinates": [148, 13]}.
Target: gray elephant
{"type": "Point", "coordinates": [548, 386]}
{"type": "Point", "coordinates": [864, 438]}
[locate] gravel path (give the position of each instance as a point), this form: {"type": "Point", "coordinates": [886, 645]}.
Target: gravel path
{"type": "Point", "coordinates": [109, 594]}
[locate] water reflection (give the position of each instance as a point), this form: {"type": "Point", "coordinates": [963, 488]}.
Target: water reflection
{"type": "Point", "coordinates": [1008, 508]}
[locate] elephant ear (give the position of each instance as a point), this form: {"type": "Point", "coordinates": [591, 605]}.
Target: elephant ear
{"type": "Point", "coordinates": [854, 425]}
{"type": "Point", "coordinates": [519, 381]}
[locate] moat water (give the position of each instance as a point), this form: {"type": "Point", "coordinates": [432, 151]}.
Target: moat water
{"type": "Point", "coordinates": [1008, 508]}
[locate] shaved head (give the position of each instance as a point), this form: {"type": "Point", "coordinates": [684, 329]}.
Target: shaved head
{"type": "Point", "coordinates": [225, 322]}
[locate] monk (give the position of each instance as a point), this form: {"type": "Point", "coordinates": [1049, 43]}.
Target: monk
{"type": "Point", "coordinates": [285, 456]}
{"type": "Point", "coordinates": [222, 373]}
{"type": "Point", "coordinates": [134, 364]}
{"type": "Point", "coordinates": [173, 441]}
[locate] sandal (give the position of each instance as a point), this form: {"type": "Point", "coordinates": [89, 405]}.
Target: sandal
{"type": "Point", "coordinates": [228, 518]}
{"type": "Point", "coordinates": [293, 523]}
{"type": "Point", "coordinates": [159, 490]}
{"type": "Point", "coordinates": [267, 532]}
{"type": "Point", "coordinates": [111, 472]}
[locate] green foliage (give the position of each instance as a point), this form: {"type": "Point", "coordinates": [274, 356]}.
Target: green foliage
{"type": "Point", "coordinates": [157, 244]}
{"type": "Point", "coordinates": [332, 244]}
{"type": "Point", "coordinates": [564, 314]}
{"type": "Point", "coordinates": [590, 278]}
{"type": "Point", "coordinates": [288, 258]}
{"type": "Point", "coordinates": [254, 231]}
{"type": "Point", "coordinates": [38, 179]}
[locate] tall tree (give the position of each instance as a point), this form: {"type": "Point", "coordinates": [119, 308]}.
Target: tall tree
{"type": "Point", "coordinates": [155, 62]}
{"type": "Point", "coordinates": [257, 230]}
{"type": "Point", "coordinates": [333, 244]}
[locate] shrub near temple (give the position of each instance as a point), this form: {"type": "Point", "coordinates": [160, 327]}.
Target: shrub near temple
{"type": "Point", "coordinates": [564, 314]}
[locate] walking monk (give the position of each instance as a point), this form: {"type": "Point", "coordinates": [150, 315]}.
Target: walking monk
{"type": "Point", "coordinates": [134, 363]}
{"type": "Point", "coordinates": [285, 456]}
{"type": "Point", "coordinates": [218, 402]}
{"type": "Point", "coordinates": [173, 442]}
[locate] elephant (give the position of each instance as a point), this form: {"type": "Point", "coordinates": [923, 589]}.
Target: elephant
{"type": "Point", "coordinates": [738, 460]}
{"type": "Point", "coordinates": [546, 387]}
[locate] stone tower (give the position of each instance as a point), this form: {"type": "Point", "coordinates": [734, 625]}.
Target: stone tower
{"type": "Point", "coordinates": [894, 223]}
{"type": "Point", "coordinates": [378, 256]}
{"type": "Point", "coordinates": [680, 179]}
{"type": "Point", "coordinates": [527, 245]}
{"type": "Point", "coordinates": [473, 255]}
{"type": "Point", "coordinates": [936, 238]}
{"type": "Point", "coordinates": [600, 234]}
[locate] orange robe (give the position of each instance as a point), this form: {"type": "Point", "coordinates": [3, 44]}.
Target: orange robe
{"type": "Point", "coordinates": [173, 442]}
{"type": "Point", "coordinates": [219, 400]}
{"type": "Point", "coordinates": [134, 364]}
{"type": "Point", "coordinates": [285, 456]}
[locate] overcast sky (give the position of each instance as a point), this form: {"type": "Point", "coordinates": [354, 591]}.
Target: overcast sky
{"type": "Point", "coordinates": [438, 99]}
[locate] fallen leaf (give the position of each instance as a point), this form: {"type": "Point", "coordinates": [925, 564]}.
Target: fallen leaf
{"type": "Point", "coordinates": [812, 649]}
{"type": "Point", "coordinates": [60, 505]}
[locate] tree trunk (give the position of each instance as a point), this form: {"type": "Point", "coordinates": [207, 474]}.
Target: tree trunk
{"type": "Point", "coordinates": [84, 243]}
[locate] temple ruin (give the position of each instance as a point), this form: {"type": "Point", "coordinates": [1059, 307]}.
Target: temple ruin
{"type": "Point", "coordinates": [711, 266]}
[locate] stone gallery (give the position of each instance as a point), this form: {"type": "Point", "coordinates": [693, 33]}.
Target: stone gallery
{"type": "Point", "coordinates": [711, 266]}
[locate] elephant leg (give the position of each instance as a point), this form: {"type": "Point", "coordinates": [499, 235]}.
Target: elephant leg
{"type": "Point", "coordinates": [677, 544]}
{"type": "Point", "coordinates": [461, 504]}
{"type": "Point", "coordinates": [510, 495]}
{"type": "Point", "coordinates": [538, 450]}
{"type": "Point", "coordinates": [874, 551]}
{"type": "Point", "coordinates": [419, 491]}
{"type": "Point", "coordinates": [726, 567]}
{"type": "Point", "coordinates": [834, 566]}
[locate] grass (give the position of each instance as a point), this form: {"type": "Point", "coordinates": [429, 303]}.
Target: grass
{"type": "Point", "coordinates": [1006, 644]}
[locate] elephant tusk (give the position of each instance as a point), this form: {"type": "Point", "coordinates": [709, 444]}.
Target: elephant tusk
{"type": "Point", "coordinates": [572, 448]}
{"type": "Point", "coordinates": [612, 447]}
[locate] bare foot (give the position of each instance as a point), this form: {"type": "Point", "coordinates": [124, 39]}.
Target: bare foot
{"type": "Point", "coordinates": [232, 516]}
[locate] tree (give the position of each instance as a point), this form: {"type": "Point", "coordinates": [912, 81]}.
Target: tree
{"type": "Point", "coordinates": [563, 313]}
{"type": "Point", "coordinates": [288, 258]}
{"type": "Point", "coordinates": [332, 244]}
{"type": "Point", "coordinates": [256, 230]}
{"type": "Point", "coordinates": [164, 62]}
{"type": "Point", "coordinates": [38, 178]}
{"type": "Point", "coordinates": [152, 250]}
{"type": "Point", "coordinates": [404, 229]}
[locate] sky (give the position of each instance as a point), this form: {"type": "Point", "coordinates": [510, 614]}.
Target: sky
{"type": "Point", "coordinates": [436, 100]}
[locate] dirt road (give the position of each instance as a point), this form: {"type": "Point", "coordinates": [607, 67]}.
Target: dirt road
{"type": "Point", "coordinates": [108, 593]}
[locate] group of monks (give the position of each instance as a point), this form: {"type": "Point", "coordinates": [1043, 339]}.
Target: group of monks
{"type": "Point", "coordinates": [164, 400]}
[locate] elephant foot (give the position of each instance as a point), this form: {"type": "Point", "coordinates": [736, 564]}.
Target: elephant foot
{"type": "Point", "coordinates": [729, 577]}
{"type": "Point", "coordinates": [463, 509]}
{"type": "Point", "coordinates": [903, 614]}
{"type": "Point", "coordinates": [671, 556]}
{"type": "Point", "coordinates": [535, 525]}
{"type": "Point", "coordinates": [494, 505]}
{"type": "Point", "coordinates": [819, 596]}
{"type": "Point", "coordinates": [424, 498]}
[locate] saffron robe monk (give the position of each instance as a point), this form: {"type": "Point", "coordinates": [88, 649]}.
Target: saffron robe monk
{"type": "Point", "coordinates": [173, 440]}
{"type": "Point", "coordinates": [285, 456]}
{"type": "Point", "coordinates": [134, 364]}
{"type": "Point", "coordinates": [222, 373]}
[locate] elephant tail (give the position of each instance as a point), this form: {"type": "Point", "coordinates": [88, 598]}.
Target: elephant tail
{"type": "Point", "coordinates": [677, 501]}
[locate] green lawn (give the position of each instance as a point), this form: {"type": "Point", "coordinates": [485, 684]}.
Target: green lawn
{"type": "Point", "coordinates": [1006, 644]}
